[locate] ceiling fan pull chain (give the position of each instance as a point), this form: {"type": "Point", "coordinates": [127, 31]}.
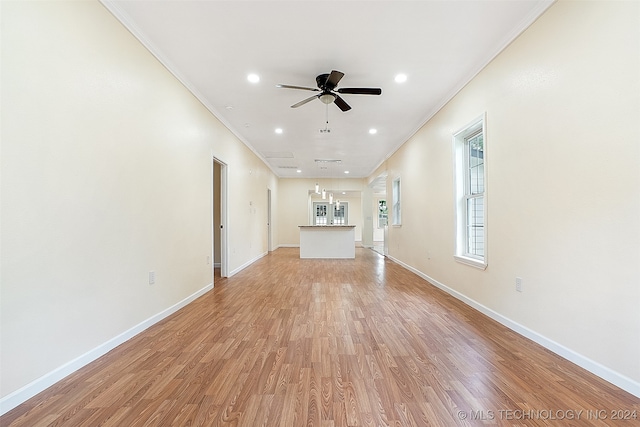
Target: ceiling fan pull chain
{"type": "Point", "coordinates": [326, 126]}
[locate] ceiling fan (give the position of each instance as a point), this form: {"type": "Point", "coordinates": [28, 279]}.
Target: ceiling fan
{"type": "Point", "coordinates": [329, 94]}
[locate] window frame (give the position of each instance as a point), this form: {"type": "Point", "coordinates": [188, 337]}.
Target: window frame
{"type": "Point", "coordinates": [330, 212]}
{"type": "Point", "coordinates": [344, 208]}
{"type": "Point", "coordinates": [463, 193]}
{"type": "Point", "coordinates": [315, 213]}
{"type": "Point", "coordinates": [396, 202]}
{"type": "Point", "coordinates": [383, 213]}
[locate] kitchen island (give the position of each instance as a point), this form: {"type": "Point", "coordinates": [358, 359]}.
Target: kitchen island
{"type": "Point", "coordinates": [327, 241]}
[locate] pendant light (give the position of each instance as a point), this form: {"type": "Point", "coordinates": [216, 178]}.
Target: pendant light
{"type": "Point", "coordinates": [338, 200]}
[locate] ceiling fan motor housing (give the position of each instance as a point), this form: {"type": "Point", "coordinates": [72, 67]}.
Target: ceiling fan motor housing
{"type": "Point", "coordinates": [321, 81]}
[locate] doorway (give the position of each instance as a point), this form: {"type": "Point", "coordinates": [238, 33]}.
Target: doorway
{"type": "Point", "coordinates": [219, 219]}
{"type": "Point", "coordinates": [330, 213]}
{"type": "Point", "coordinates": [269, 220]}
{"type": "Point", "coordinates": [380, 226]}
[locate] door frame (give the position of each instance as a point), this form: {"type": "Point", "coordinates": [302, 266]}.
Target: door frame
{"type": "Point", "coordinates": [222, 186]}
{"type": "Point", "coordinates": [269, 249]}
{"type": "Point", "coordinates": [376, 183]}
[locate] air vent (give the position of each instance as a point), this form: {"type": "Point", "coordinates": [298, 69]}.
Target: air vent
{"type": "Point", "coordinates": [287, 167]}
{"type": "Point", "coordinates": [278, 155]}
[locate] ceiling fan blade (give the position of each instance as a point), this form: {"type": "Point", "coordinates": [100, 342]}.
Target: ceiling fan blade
{"type": "Point", "coordinates": [333, 79]}
{"type": "Point", "coordinates": [298, 87]}
{"type": "Point", "coordinates": [304, 101]}
{"type": "Point", "coordinates": [341, 104]}
{"type": "Point", "coordinates": [360, 90]}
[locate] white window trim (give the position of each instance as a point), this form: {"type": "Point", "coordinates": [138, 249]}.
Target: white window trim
{"type": "Point", "coordinates": [330, 208]}
{"type": "Point", "coordinates": [459, 210]}
{"type": "Point", "coordinates": [313, 213]}
{"type": "Point", "coordinates": [396, 220]}
{"type": "Point", "coordinates": [346, 212]}
{"type": "Point", "coordinates": [386, 217]}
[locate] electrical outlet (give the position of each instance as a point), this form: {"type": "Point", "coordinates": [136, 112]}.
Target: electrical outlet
{"type": "Point", "coordinates": [518, 284]}
{"type": "Point", "coordinates": [152, 277]}
{"type": "Point", "coordinates": [208, 259]}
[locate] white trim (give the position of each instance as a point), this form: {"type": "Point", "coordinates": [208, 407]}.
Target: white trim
{"type": "Point", "coordinates": [395, 221]}
{"type": "Point", "coordinates": [269, 221]}
{"type": "Point", "coordinates": [21, 395]}
{"type": "Point", "coordinates": [592, 366]}
{"type": "Point", "coordinates": [477, 263]}
{"type": "Point", "coordinates": [500, 46]}
{"type": "Point", "coordinates": [247, 264]}
{"type": "Point", "coordinates": [224, 218]}
{"type": "Point", "coordinates": [122, 17]}
{"type": "Point", "coordinates": [212, 187]}
{"type": "Point", "coordinates": [331, 208]}
{"type": "Point", "coordinates": [358, 243]}
{"type": "Point", "coordinates": [459, 207]}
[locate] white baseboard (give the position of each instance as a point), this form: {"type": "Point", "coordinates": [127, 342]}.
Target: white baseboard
{"type": "Point", "coordinates": [25, 393]}
{"type": "Point", "coordinates": [247, 264]}
{"type": "Point", "coordinates": [592, 366]}
{"type": "Point", "coordinates": [358, 244]}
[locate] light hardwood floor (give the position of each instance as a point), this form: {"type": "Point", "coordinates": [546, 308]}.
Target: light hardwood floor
{"type": "Point", "coordinates": [291, 342]}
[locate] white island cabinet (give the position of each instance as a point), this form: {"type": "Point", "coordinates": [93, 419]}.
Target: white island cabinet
{"type": "Point", "coordinates": [327, 241]}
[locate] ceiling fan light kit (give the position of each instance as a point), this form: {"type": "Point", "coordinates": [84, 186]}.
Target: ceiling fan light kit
{"type": "Point", "coordinates": [327, 98]}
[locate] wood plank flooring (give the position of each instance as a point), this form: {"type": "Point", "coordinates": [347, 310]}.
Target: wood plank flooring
{"type": "Point", "coordinates": [290, 342]}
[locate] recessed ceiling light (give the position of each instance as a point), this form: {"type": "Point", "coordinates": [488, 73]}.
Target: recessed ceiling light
{"type": "Point", "coordinates": [299, 171]}
{"type": "Point", "coordinates": [346, 171]}
{"type": "Point", "coordinates": [401, 78]}
{"type": "Point", "coordinates": [278, 130]}
{"type": "Point", "coordinates": [373, 131]}
{"type": "Point", "coordinates": [253, 78]}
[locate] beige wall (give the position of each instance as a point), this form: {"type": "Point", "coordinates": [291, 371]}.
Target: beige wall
{"type": "Point", "coordinates": [294, 194]}
{"type": "Point", "coordinates": [562, 106]}
{"type": "Point", "coordinates": [106, 175]}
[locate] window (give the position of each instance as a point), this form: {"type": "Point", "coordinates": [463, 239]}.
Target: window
{"type": "Point", "coordinates": [382, 213]}
{"type": "Point", "coordinates": [320, 216]}
{"type": "Point", "coordinates": [396, 211]}
{"type": "Point", "coordinates": [470, 154]}
{"type": "Point", "coordinates": [339, 217]}
{"type": "Point", "coordinates": [329, 214]}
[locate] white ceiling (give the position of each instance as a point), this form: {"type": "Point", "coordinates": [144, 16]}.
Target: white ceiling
{"type": "Point", "coordinates": [211, 46]}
